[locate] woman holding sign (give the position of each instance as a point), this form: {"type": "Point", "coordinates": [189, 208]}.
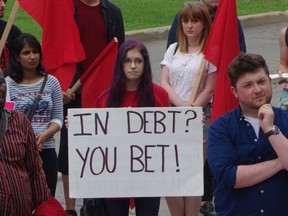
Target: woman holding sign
{"type": "Point", "coordinates": [189, 80]}
{"type": "Point", "coordinates": [132, 87]}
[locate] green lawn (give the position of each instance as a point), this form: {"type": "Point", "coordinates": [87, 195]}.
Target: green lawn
{"type": "Point", "coordinates": [141, 14]}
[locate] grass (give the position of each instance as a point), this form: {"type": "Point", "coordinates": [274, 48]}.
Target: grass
{"type": "Point", "coordinates": [141, 14]}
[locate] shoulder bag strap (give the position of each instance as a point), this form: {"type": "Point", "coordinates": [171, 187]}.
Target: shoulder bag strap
{"type": "Point", "coordinates": [176, 48]}
{"type": "Point", "coordinates": [38, 98]}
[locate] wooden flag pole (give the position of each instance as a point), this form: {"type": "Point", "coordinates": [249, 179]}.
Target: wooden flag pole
{"type": "Point", "coordinates": [75, 87]}
{"type": "Point", "coordinates": [9, 25]}
{"type": "Point", "coordinates": [197, 80]}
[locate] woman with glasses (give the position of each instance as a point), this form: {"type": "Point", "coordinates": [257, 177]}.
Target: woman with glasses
{"type": "Point", "coordinates": [132, 86]}
{"type": "Point", "coordinates": [180, 67]}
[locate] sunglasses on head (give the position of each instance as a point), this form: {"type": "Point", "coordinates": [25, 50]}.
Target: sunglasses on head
{"type": "Point", "coordinates": [193, 3]}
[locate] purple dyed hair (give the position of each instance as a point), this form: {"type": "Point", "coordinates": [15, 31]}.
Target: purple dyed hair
{"type": "Point", "coordinates": [145, 88]}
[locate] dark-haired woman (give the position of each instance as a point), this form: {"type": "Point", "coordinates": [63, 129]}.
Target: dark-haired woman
{"type": "Point", "coordinates": [26, 76]}
{"type": "Point", "coordinates": [132, 86]}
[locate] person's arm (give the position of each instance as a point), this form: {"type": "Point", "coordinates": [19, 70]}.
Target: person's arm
{"type": "Point", "coordinates": [249, 175]}
{"type": "Point", "coordinates": [56, 120]}
{"type": "Point", "coordinates": [68, 96]}
{"type": "Point", "coordinates": [42, 137]}
{"type": "Point", "coordinates": [205, 96]}
{"type": "Point", "coordinates": [278, 141]}
{"type": "Point", "coordinates": [221, 154]}
{"type": "Point", "coordinates": [225, 161]}
{"type": "Point", "coordinates": [283, 67]}
{"type": "Point", "coordinates": [280, 145]}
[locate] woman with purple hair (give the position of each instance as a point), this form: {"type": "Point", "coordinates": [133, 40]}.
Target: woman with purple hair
{"type": "Point", "coordinates": [132, 86]}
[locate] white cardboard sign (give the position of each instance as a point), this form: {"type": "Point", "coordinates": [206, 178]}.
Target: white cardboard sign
{"type": "Point", "coordinates": [135, 152]}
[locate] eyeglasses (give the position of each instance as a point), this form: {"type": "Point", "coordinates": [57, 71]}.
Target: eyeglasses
{"type": "Point", "coordinates": [193, 3]}
{"type": "Point", "coordinates": [136, 61]}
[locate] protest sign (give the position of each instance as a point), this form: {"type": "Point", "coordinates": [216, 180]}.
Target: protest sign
{"type": "Point", "coordinates": [135, 152]}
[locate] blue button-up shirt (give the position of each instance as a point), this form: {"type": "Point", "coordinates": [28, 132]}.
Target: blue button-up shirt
{"type": "Point", "coordinates": [231, 142]}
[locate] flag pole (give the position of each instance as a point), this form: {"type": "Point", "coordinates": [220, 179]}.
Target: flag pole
{"type": "Point", "coordinates": [9, 25]}
{"type": "Point", "coordinates": [197, 80]}
{"type": "Point", "coordinates": [75, 87]}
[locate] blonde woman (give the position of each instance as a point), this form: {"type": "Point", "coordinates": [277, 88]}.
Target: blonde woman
{"type": "Point", "coordinates": [179, 70]}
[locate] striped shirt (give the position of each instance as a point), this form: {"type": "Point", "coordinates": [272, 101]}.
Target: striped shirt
{"type": "Point", "coordinates": [22, 179]}
{"type": "Point", "coordinates": [49, 109]}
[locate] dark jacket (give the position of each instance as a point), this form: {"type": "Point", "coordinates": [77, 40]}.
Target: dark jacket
{"type": "Point", "coordinates": [114, 27]}
{"type": "Point", "coordinates": [113, 20]}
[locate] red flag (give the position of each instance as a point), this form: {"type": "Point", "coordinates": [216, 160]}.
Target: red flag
{"type": "Point", "coordinates": [222, 47]}
{"type": "Point", "coordinates": [50, 207]}
{"type": "Point", "coordinates": [98, 76]}
{"type": "Point", "coordinates": [61, 44]}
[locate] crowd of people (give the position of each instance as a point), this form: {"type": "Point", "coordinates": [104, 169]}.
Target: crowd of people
{"type": "Point", "coordinates": [245, 168]}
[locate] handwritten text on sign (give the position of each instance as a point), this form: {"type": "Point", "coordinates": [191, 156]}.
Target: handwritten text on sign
{"type": "Point", "coordinates": [132, 152]}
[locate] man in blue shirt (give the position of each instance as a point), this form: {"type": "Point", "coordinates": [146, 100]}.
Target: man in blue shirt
{"type": "Point", "coordinates": [248, 147]}
{"type": "Point", "coordinates": [207, 208]}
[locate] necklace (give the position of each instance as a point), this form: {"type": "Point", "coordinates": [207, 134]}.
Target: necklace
{"type": "Point", "coordinates": [186, 62]}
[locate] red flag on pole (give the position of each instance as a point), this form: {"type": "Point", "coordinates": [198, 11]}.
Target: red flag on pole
{"type": "Point", "coordinates": [61, 45]}
{"type": "Point", "coordinates": [98, 76]}
{"type": "Point", "coordinates": [221, 48]}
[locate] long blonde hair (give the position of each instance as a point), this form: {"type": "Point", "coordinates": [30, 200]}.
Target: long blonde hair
{"type": "Point", "coordinates": [194, 11]}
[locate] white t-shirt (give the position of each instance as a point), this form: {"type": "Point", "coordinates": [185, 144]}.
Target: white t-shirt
{"type": "Point", "coordinates": [49, 108]}
{"type": "Point", "coordinates": [255, 124]}
{"type": "Point", "coordinates": [183, 70]}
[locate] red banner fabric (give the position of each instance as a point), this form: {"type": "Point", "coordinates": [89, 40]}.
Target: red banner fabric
{"type": "Point", "coordinates": [222, 47]}
{"type": "Point", "coordinates": [61, 45]}
{"type": "Point", "coordinates": [50, 207]}
{"type": "Point", "coordinates": [98, 76]}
